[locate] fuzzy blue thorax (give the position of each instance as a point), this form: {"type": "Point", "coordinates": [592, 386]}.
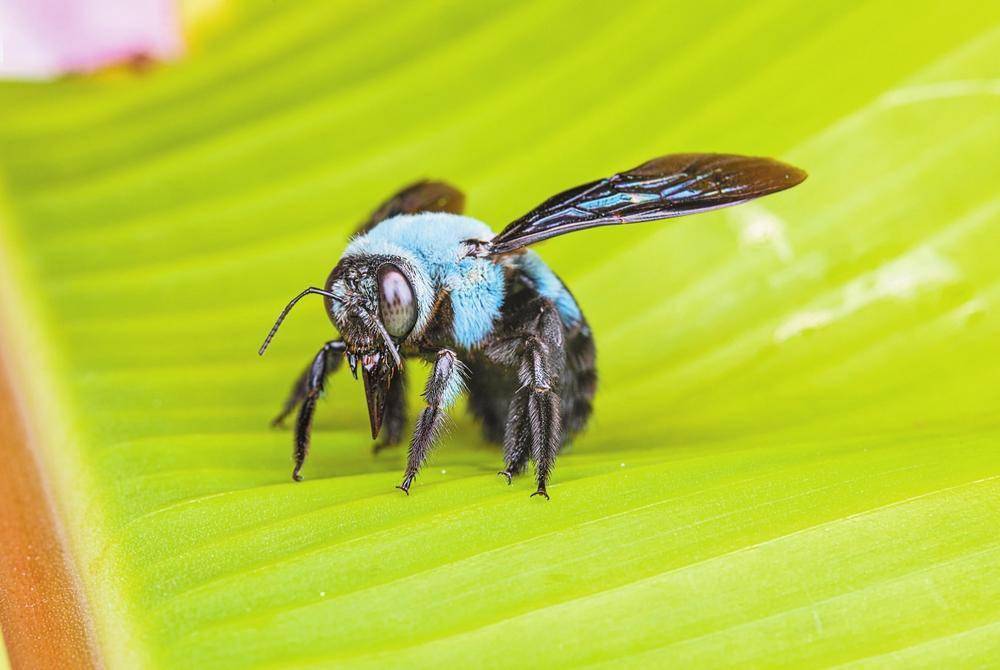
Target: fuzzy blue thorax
{"type": "Point", "coordinates": [432, 245]}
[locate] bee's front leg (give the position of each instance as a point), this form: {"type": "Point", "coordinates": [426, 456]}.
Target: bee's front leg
{"type": "Point", "coordinates": [307, 390]}
{"type": "Point", "coordinates": [443, 387]}
{"type": "Point", "coordinates": [394, 421]}
{"type": "Point", "coordinates": [330, 353]}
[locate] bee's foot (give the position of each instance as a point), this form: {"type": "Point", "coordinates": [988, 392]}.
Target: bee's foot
{"type": "Point", "coordinates": [278, 421]}
{"type": "Point", "coordinates": [505, 473]}
{"type": "Point", "coordinates": [405, 486]}
{"type": "Point", "coordinates": [541, 492]}
{"type": "Point", "coordinates": [296, 476]}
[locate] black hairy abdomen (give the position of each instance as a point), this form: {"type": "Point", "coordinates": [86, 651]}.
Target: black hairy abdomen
{"type": "Point", "coordinates": [578, 383]}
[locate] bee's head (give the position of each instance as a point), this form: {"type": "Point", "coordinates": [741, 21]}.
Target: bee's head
{"type": "Point", "coordinates": [372, 302]}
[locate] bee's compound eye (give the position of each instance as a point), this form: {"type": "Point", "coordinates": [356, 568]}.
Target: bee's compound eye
{"type": "Point", "coordinates": [397, 306]}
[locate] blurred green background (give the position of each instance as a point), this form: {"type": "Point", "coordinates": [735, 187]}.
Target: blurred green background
{"type": "Point", "coordinates": [794, 459]}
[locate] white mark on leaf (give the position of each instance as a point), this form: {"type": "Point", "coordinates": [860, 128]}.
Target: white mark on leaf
{"type": "Point", "coordinates": [970, 310]}
{"type": "Point", "coordinates": [818, 622]}
{"type": "Point", "coordinates": [942, 90]}
{"type": "Point", "coordinates": [901, 279]}
{"type": "Point", "coordinates": [759, 227]}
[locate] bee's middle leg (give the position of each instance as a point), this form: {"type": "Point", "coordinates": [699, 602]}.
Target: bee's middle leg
{"type": "Point", "coordinates": [490, 392]}
{"type": "Point", "coordinates": [443, 387]}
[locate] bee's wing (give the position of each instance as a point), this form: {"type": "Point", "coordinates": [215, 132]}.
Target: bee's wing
{"type": "Point", "coordinates": [421, 196]}
{"type": "Point", "coordinates": [662, 188]}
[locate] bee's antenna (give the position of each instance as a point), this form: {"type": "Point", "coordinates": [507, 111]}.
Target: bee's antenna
{"type": "Point", "coordinates": [288, 308]}
{"type": "Point", "coordinates": [385, 335]}
{"type": "Point", "coordinates": [388, 342]}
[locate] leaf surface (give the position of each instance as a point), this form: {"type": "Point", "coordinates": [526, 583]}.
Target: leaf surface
{"type": "Point", "coordinates": [794, 459]}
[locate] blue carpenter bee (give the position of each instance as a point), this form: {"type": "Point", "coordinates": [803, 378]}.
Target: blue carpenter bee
{"type": "Point", "coordinates": [421, 280]}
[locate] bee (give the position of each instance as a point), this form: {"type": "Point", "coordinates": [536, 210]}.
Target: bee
{"type": "Point", "coordinates": [420, 280]}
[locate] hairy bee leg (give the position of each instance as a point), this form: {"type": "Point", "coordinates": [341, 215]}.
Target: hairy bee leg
{"type": "Point", "coordinates": [300, 389]}
{"type": "Point", "coordinates": [542, 418]}
{"type": "Point", "coordinates": [295, 396]}
{"type": "Point", "coordinates": [394, 423]}
{"type": "Point", "coordinates": [530, 343]}
{"type": "Point", "coordinates": [303, 429]}
{"type": "Point", "coordinates": [443, 387]}
{"type": "Point", "coordinates": [517, 438]}
{"type": "Point", "coordinates": [326, 361]}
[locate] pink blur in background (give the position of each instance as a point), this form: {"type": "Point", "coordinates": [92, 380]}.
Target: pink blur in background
{"type": "Point", "coordinates": [45, 38]}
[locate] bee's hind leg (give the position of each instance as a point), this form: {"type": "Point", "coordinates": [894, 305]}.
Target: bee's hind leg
{"type": "Point", "coordinates": [532, 344]}
{"type": "Point", "coordinates": [517, 437]}
{"type": "Point", "coordinates": [306, 391]}
{"type": "Point", "coordinates": [542, 418]}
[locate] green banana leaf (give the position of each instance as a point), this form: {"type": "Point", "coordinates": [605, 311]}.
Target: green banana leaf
{"type": "Point", "coordinates": [795, 454]}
